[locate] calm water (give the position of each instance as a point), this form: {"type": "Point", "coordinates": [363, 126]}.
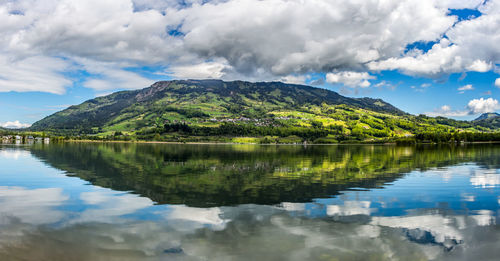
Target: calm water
{"type": "Point", "coordinates": [245, 202]}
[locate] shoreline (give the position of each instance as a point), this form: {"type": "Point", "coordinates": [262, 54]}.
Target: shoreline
{"type": "Point", "coordinates": [267, 144]}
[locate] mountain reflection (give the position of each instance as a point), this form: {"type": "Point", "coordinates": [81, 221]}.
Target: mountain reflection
{"type": "Point", "coordinates": [217, 175]}
{"type": "Point", "coordinates": [352, 203]}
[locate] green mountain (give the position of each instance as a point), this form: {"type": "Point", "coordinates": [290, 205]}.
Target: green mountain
{"type": "Point", "coordinates": [174, 110]}
{"type": "Point", "coordinates": [486, 116]}
{"type": "Point", "coordinates": [489, 120]}
{"type": "Point", "coordinates": [200, 99]}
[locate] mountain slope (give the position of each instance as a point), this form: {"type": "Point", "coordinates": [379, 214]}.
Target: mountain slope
{"type": "Point", "coordinates": [199, 98]}
{"type": "Point", "coordinates": [491, 122]}
{"type": "Point", "coordinates": [486, 116]}
{"type": "Point", "coordinates": [184, 110]}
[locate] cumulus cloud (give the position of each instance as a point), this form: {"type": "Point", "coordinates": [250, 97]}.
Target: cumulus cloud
{"type": "Point", "coordinates": [483, 105]}
{"type": "Point", "coordinates": [441, 58]}
{"type": "Point", "coordinates": [287, 37]}
{"type": "Point", "coordinates": [480, 66]}
{"type": "Point", "coordinates": [468, 46]}
{"type": "Point", "coordinates": [46, 39]}
{"type": "Point", "coordinates": [475, 106]}
{"type": "Point", "coordinates": [497, 82]}
{"type": "Point", "coordinates": [351, 79]}
{"type": "Point", "coordinates": [14, 125]}
{"type": "Point", "coordinates": [250, 39]}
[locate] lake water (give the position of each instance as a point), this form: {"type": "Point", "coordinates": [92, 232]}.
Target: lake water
{"type": "Point", "coordinates": [248, 202]}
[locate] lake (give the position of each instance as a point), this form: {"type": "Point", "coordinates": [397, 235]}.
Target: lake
{"type": "Point", "coordinates": [86, 201]}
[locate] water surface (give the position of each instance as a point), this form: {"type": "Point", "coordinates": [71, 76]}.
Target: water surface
{"type": "Point", "coordinates": [248, 202]}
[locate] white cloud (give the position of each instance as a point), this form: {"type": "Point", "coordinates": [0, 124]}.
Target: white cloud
{"type": "Point", "coordinates": [422, 88]}
{"type": "Point", "coordinates": [110, 76]}
{"type": "Point", "coordinates": [483, 105]}
{"type": "Point", "coordinates": [470, 46]}
{"type": "Point", "coordinates": [441, 58]}
{"type": "Point", "coordinates": [35, 73]}
{"type": "Point", "coordinates": [294, 79]}
{"type": "Point", "coordinates": [286, 37]}
{"type": "Point", "coordinates": [208, 70]}
{"type": "Point", "coordinates": [464, 88]}
{"type": "Point", "coordinates": [480, 66]}
{"type": "Point", "coordinates": [497, 82]}
{"type": "Point", "coordinates": [14, 125]}
{"type": "Point", "coordinates": [475, 106]}
{"type": "Point", "coordinates": [351, 79]}
{"type": "Point", "coordinates": [238, 39]}
{"type": "Point", "coordinates": [446, 111]}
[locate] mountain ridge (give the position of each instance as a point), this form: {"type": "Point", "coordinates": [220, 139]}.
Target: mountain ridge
{"type": "Point", "coordinates": [486, 116]}
{"type": "Point", "coordinates": [157, 91]}
{"type": "Point", "coordinates": [215, 110]}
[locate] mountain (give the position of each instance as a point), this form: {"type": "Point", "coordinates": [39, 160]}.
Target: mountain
{"type": "Point", "coordinates": [204, 98]}
{"type": "Point", "coordinates": [182, 110]}
{"type": "Point", "coordinates": [491, 120]}
{"type": "Point", "coordinates": [486, 116]}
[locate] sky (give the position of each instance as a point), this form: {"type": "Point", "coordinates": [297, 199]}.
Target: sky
{"type": "Point", "coordinates": [439, 58]}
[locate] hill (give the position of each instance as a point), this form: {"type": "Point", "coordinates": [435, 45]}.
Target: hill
{"type": "Point", "coordinates": [184, 109]}
{"type": "Point", "coordinates": [200, 99]}
{"type": "Point", "coordinates": [490, 122]}
{"type": "Point", "coordinates": [486, 116]}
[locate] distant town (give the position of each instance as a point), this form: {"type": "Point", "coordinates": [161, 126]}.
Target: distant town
{"type": "Point", "coordinates": [25, 139]}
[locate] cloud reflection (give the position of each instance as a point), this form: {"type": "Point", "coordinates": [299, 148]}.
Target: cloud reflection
{"type": "Point", "coordinates": [34, 206]}
{"type": "Point", "coordinates": [189, 218]}
{"type": "Point", "coordinates": [110, 206]}
{"type": "Point", "coordinates": [485, 179]}
{"type": "Point", "coordinates": [350, 208]}
{"type": "Point", "coordinates": [13, 154]}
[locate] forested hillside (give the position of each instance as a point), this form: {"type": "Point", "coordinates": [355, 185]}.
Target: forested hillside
{"type": "Point", "coordinates": [195, 110]}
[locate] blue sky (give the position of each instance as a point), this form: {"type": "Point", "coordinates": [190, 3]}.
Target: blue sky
{"type": "Point", "coordinates": [425, 57]}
